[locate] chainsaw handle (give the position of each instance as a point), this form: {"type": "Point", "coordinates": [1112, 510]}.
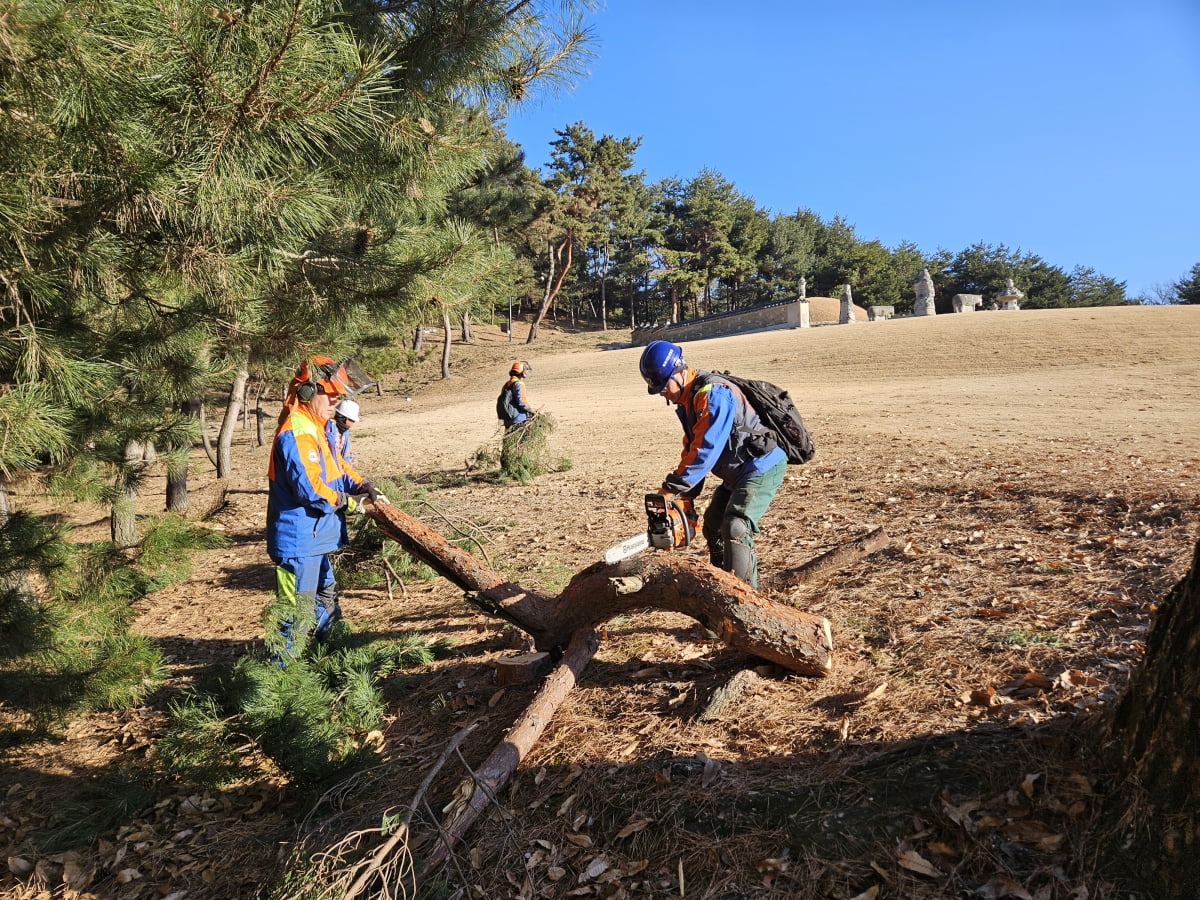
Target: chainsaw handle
{"type": "Point", "coordinates": [670, 520]}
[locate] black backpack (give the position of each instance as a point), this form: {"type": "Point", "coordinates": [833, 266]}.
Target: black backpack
{"type": "Point", "coordinates": [777, 411]}
{"type": "Point", "coordinates": [506, 407]}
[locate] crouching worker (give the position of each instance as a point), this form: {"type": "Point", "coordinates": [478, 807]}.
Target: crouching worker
{"type": "Point", "coordinates": [311, 487]}
{"type": "Point", "coordinates": [722, 434]}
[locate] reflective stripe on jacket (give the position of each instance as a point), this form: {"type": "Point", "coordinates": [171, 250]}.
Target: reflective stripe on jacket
{"type": "Point", "coordinates": [718, 430]}
{"type": "Point", "coordinates": [307, 480]}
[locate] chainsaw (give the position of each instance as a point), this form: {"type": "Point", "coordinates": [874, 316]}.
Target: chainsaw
{"type": "Point", "coordinates": [670, 525]}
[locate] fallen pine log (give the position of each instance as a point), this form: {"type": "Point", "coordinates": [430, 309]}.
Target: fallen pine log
{"type": "Point", "coordinates": [837, 558]}
{"type": "Point", "coordinates": [475, 793]}
{"type": "Point", "coordinates": [729, 694]}
{"type": "Point", "coordinates": [794, 639]}
{"type": "Point", "coordinates": [797, 640]}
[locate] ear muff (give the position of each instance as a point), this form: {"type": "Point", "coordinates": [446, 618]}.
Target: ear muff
{"type": "Point", "coordinates": [306, 390]}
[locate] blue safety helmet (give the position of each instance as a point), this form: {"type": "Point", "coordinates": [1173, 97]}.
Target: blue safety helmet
{"type": "Point", "coordinates": [660, 360]}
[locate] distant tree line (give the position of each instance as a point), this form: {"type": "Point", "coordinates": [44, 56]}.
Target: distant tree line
{"type": "Point", "coordinates": [598, 243]}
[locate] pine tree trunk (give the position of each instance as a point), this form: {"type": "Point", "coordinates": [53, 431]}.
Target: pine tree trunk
{"type": "Point", "coordinates": [553, 285]}
{"type": "Point", "coordinates": [246, 405]}
{"type": "Point", "coordinates": [466, 328]}
{"type": "Point", "coordinates": [178, 460]}
{"type": "Point", "coordinates": [604, 290]}
{"type": "Point", "coordinates": [177, 482]}
{"type": "Point", "coordinates": [209, 451]}
{"type": "Point", "coordinates": [237, 394]}
{"type": "Point", "coordinates": [447, 339]}
{"type": "Point", "coordinates": [1155, 729]}
{"type": "Point", "coordinates": [123, 518]}
{"type": "Point", "coordinates": [418, 339]}
{"type": "Point", "coordinates": [259, 415]}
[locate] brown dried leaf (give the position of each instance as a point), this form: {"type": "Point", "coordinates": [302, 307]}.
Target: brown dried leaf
{"type": "Point", "coordinates": [594, 870]}
{"type": "Point", "coordinates": [19, 865]}
{"type": "Point", "coordinates": [960, 815]}
{"type": "Point", "coordinates": [876, 692]}
{"type": "Point", "coordinates": [1027, 784]}
{"type": "Point", "coordinates": [633, 827]}
{"type": "Point", "coordinates": [986, 697]}
{"type": "Point", "coordinates": [575, 771]}
{"type": "Point", "coordinates": [1030, 831]}
{"type": "Point", "coordinates": [1002, 886]}
{"type": "Point", "coordinates": [915, 862]}
{"type": "Point", "coordinates": [579, 840]}
{"type": "Point", "coordinates": [1073, 678]}
{"type": "Point", "coordinates": [869, 894]}
{"type": "Point", "coordinates": [648, 672]}
{"type": "Point", "coordinates": [127, 875]}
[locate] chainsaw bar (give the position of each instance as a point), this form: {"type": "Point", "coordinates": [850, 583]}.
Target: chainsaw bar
{"type": "Point", "coordinates": [631, 546]}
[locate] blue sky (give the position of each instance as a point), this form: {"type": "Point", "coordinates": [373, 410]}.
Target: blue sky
{"type": "Point", "coordinates": [1069, 129]}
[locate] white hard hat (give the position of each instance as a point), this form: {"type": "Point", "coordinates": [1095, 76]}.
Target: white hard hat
{"type": "Point", "coordinates": [348, 409]}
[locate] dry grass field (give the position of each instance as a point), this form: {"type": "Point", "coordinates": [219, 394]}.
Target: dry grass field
{"type": "Point", "coordinates": [1038, 473]}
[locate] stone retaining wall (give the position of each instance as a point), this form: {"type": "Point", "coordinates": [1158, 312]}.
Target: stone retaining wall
{"type": "Point", "coordinates": [787, 314]}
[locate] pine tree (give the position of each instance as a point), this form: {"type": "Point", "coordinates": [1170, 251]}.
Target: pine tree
{"type": "Point", "coordinates": [1187, 289]}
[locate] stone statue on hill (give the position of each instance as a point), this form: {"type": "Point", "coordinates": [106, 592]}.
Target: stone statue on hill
{"type": "Point", "coordinates": [924, 290]}
{"type": "Point", "coordinates": [846, 313]}
{"type": "Point", "coordinates": [1010, 297]}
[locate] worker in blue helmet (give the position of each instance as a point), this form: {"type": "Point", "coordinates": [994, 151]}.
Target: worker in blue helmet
{"type": "Point", "coordinates": [722, 435]}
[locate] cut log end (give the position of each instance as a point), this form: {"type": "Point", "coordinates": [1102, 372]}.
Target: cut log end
{"type": "Point", "coordinates": [521, 669]}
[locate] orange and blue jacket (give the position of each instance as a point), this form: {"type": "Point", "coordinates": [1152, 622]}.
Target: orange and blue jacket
{"type": "Point", "coordinates": [308, 482]}
{"type": "Point", "coordinates": [719, 430]}
{"type": "Point", "coordinates": [516, 388]}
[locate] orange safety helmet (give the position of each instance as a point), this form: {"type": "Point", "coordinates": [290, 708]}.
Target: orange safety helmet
{"type": "Point", "coordinates": [520, 367]}
{"type": "Point", "coordinates": [320, 374]}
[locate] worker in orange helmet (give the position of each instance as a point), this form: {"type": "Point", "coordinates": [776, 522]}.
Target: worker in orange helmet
{"type": "Point", "coordinates": [310, 487]}
{"type": "Point", "coordinates": [512, 406]}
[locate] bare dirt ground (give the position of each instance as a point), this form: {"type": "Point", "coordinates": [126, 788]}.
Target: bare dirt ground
{"type": "Point", "coordinates": [1038, 472]}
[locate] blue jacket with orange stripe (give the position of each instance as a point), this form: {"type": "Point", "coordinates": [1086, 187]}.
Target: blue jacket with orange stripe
{"type": "Point", "coordinates": [719, 426]}
{"type": "Point", "coordinates": [308, 481]}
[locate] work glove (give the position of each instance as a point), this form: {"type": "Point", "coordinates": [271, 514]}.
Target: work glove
{"type": "Point", "coordinates": [365, 489]}
{"type": "Point", "coordinates": [674, 484]}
